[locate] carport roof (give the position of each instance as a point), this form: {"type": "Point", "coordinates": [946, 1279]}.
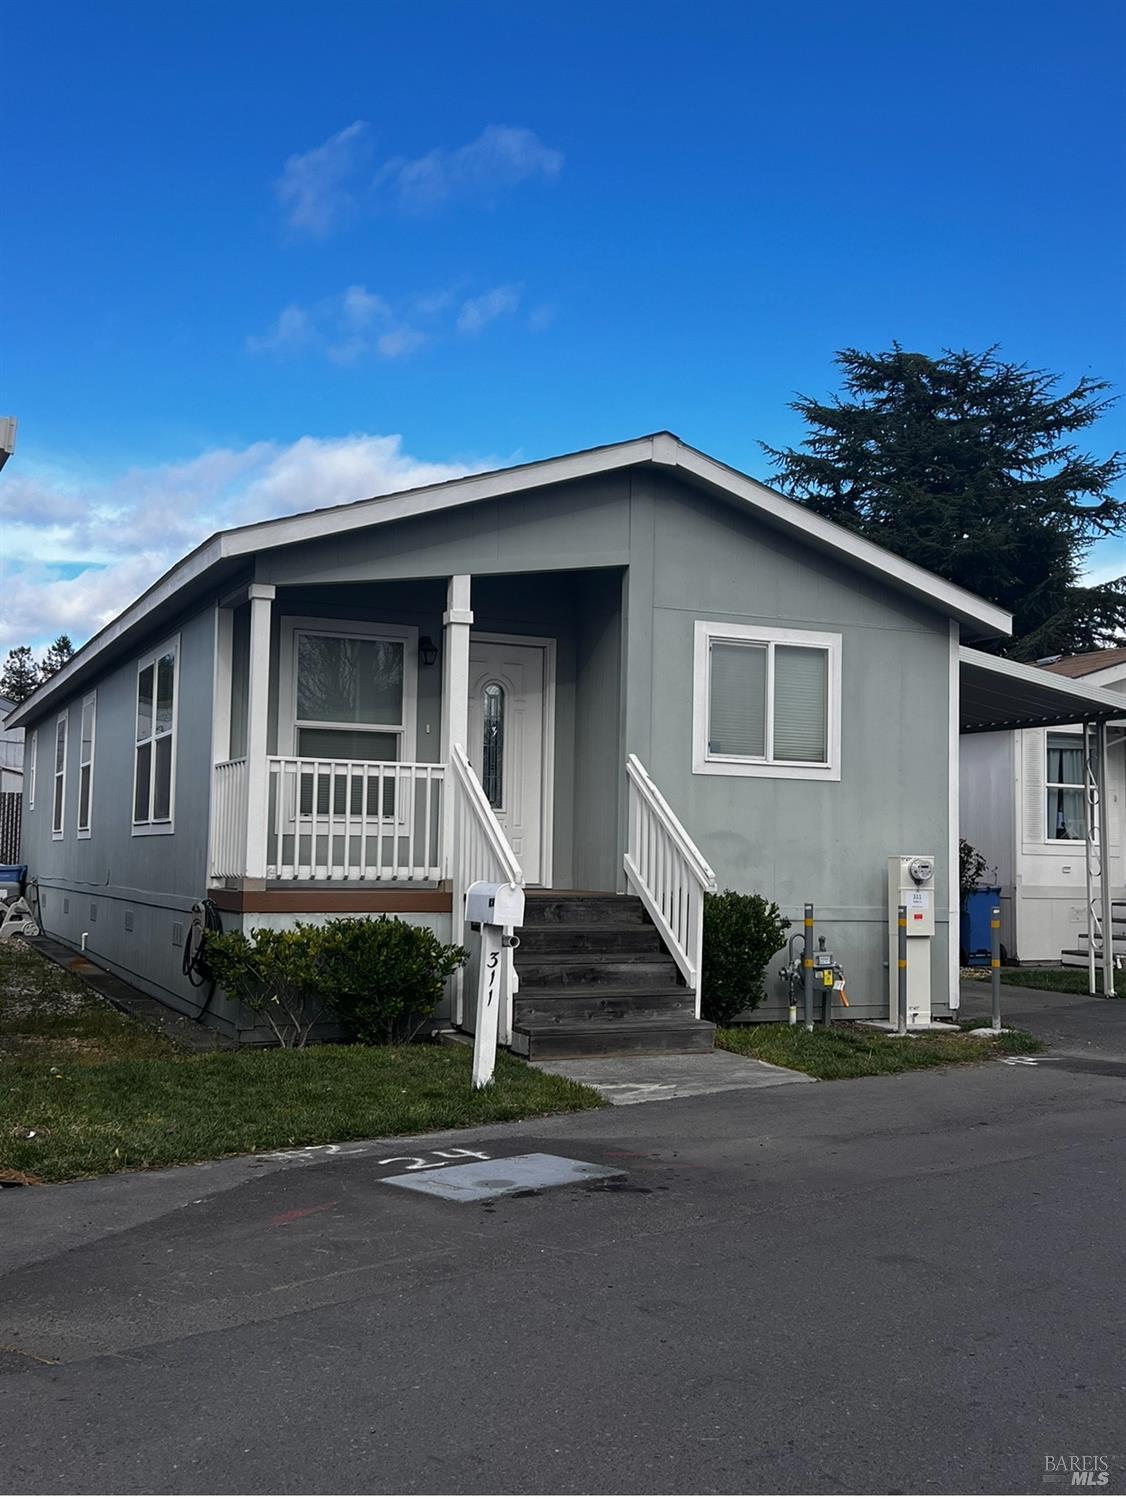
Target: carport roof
{"type": "Point", "coordinates": [999, 694]}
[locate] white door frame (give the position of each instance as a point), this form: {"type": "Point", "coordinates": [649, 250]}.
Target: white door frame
{"type": "Point", "coordinates": [547, 644]}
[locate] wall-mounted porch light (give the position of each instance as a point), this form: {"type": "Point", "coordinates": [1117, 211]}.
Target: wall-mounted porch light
{"type": "Point", "coordinates": [427, 651]}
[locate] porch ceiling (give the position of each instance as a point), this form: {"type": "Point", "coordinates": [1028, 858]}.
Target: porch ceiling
{"type": "Point", "coordinates": [998, 694]}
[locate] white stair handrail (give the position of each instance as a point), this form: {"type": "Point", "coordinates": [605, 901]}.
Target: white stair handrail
{"type": "Point", "coordinates": [480, 851]}
{"type": "Point", "coordinates": [669, 873]}
{"type": "Point", "coordinates": [477, 804]}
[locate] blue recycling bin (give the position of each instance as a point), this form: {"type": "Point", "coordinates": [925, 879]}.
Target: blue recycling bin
{"type": "Point", "coordinates": [13, 877]}
{"type": "Point", "coordinates": [975, 931]}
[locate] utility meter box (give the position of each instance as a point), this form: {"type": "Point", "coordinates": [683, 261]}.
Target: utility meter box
{"type": "Point", "coordinates": [494, 905]}
{"type": "Point", "coordinates": [911, 883]}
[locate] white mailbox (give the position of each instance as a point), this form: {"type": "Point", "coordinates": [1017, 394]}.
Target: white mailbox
{"type": "Point", "coordinates": [494, 905]}
{"type": "Point", "coordinates": [494, 910]}
{"type": "Point", "coordinates": [911, 884]}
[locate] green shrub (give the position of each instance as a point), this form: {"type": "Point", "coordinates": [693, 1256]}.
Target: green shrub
{"type": "Point", "coordinates": [272, 973]}
{"type": "Point", "coordinates": [380, 978]}
{"type": "Point", "coordinates": [384, 978]}
{"type": "Point", "coordinates": [741, 935]}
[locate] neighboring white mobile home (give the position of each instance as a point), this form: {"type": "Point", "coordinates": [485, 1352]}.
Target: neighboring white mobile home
{"type": "Point", "coordinates": [1024, 806]}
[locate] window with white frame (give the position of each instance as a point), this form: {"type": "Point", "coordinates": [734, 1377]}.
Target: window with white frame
{"type": "Point", "coordinates": [766, 702]}
{"type": "Point", "coordinates": [32, 762]}
{"type": "Point", "coordinates": [1067, 797]}
{"type": "Point", "coordinates": [154, 755]}
{"type": "Point", "coordinates": [86, 764]}
{"type": "Point", "coordinates": [58, 799]}
{"type": "Point", "coordinates": [352, 690]}
{"type": "Point", "coordinates": [348, 691]}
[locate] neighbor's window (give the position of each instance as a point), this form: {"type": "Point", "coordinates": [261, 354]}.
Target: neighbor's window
{"type": "Point", "coordinates": [154, 764]}
{"type": "Point", "coordinates": [86, 765]}
{"type": "Point", "coordinates": [1067, 811]}
{"type": "Point", "coordinates": [349, 696]}
{"type": "Point", "coordinates": [767, 702]}
{"type": "Point", "coordinates": [58, 802]}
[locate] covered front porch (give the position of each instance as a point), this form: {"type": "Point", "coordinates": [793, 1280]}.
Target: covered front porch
{"type": "Point", "coordinates": [352, 721]}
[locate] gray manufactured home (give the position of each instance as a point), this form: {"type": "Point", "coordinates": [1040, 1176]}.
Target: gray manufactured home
{"type": "Point", "coordinates": [617, 678]}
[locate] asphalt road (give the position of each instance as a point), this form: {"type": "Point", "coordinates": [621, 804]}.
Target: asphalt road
{"type": "Point", "coordinates": [898, 1284]}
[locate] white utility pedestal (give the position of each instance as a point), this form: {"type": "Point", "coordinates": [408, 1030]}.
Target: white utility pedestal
{"type": "Point", "coordinates": [496, 910]}
{"type": "Point", "coordinates": [911, 884]}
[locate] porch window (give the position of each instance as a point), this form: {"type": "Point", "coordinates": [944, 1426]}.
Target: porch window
{"type": "Point", "coordinates": [349, 696]}
{"type": "Point", "coordinates": [154, 755]}
{"type": "Point", "coordinates": [86, 765]}
{"type": "Point", "coordinates": [1067, 797]}
{"type": "Point", "coordinates": [767, 702]}
{"type": "Point", "coordinates": [58, 802]}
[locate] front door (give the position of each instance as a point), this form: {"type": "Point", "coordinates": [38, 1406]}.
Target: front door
{"type": "Point", "coordinates": [508, 686]}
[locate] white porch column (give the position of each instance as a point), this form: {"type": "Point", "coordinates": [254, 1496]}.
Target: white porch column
{"type": "Point", "coordinates": [261, 597]}
{"type": "Point", "coordinates": [456, 623]}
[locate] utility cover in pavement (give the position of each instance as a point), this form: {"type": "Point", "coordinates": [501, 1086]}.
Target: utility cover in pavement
{"type": "Point", "coordinates": [515, 1173]}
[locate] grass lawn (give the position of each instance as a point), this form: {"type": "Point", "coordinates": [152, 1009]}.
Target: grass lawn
{"type": "Point", "coordinates": [84, 1090]}
{"type": "Point", "coordinates": [1060, 980]}
{"type": "Point", "coordinates": [856, 1051]}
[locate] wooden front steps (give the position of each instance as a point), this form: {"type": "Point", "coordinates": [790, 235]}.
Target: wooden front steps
{"type": "Point", "coordinates": [595, 978]}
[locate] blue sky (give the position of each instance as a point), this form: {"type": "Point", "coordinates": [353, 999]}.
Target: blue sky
{"type": "Point", "coordinates": [263, 256]}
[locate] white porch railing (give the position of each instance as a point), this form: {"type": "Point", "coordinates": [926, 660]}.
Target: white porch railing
{"type": "Point", "coordinates": [228, 820]}
{"type": "Point", "coordinates": [480, 852]}
{"type": "Point", "coordinates": [668, 871]}
{"type": "Point", "coordinates": [353, 819]}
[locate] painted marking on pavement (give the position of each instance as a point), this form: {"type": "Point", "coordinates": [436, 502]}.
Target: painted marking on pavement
{"type": "Point", "coordinates": [447, 1158]}
{"type": "Point", "coordinates": [478, 1181]}
{"type": "Point", "coordinates": [1019, 1062]}
{"type": "Point", "coordinates": [279, 1220]}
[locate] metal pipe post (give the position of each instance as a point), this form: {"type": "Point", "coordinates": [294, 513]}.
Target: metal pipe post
{"type": "Point", "coordinates": [901, 1007]}
{"type": "Point", "coordinates": [807, 966]}
{"type": "Point", "coordinates": [1106, 904]}
{"type": "Point", "coordinates": [995, 963]}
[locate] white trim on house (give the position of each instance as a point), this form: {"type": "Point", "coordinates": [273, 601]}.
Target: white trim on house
{"type": "Point", "coordinates": [549, 646]}
{"type": "Point", "coordinates": [149, 827]}
{"type": "Point", "coordinates": [58, 778]}
{"type": "Point", "coordinates": [953, 813]}
{"type": "Point", "coordinates": [33, 761]}
{"type": "Point", "coordinates": [293, 625]}
{"type": "Point", "coordinates": [660, 448]}
{"type": "Point", "coordinates": [705, 761]}
{"type": "Point", "coordinates": [83, 829]}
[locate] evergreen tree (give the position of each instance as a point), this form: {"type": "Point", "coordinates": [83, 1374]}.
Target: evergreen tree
{"type": "Point", "coordinates": [20, 676]}
{"type": "Point", "coordinates": [57, 654]}
{"type": "Point", "coordinates": [966, 465]}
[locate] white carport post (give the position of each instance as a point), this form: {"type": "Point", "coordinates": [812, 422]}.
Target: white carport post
{"type": "Point", "coordinates": [1095, 748]}
{"type": "Point", "coordinates": [261, 597]}
{"type": "Point", "coordinates": [456, 623]}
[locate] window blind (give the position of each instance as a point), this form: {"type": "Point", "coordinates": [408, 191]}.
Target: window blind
{"type": "Point", "coordinates": [737, 715]}
{"type": "Point", "coordinates": [801, 695]}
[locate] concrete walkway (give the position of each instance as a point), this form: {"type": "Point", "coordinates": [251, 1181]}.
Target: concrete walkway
{"type": "Point", "coordinates": [652, 1079]}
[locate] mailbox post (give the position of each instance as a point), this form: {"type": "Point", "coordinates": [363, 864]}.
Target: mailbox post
{"type": "Point", "coordinates": [494, 910]}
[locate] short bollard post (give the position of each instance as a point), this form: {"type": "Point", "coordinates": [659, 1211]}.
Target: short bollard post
{"type": "Point", "coordinates": [995, 963]}
{"type": "Point", "coordinates": [901, 1010]}
{"type": "Point", "coordinates": [807, 966]}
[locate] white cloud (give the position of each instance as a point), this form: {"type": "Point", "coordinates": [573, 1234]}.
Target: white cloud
{"type": "Point", "coordinates": [313, 188]}
{"type": "Point", "coordinates": [82, 550]}
{"type": "Point", "coordinates": [344, 327]}
{"type": "Point", "coordinates": [478, 312]}
{"type": "Point", "coordinates": [291, 330]}
{"type": "Point", "coordinates": [502, 156]}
